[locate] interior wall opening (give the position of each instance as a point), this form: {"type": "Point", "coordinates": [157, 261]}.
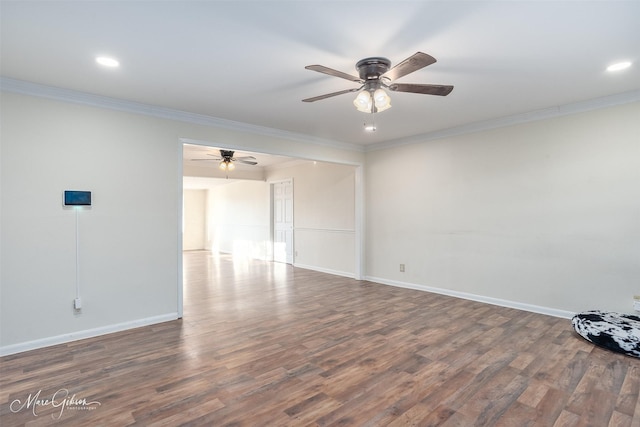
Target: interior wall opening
{"type": "Point", "coordinates": [245, 196]}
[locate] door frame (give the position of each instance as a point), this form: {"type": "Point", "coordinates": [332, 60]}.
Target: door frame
{"type": "Point", "coordinates": [272, 220]}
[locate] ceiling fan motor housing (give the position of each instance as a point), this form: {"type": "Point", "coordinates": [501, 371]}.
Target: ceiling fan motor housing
{"type": "Point", "coordinates": [372, 68]}
{"type": "Point", "coordinates": [226, 154]}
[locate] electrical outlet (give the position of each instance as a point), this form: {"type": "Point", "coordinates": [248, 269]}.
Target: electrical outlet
{"type": "Point", "coordinates": [77, 304]}
{"type": "Point", "coordinates": [636, 302]}
{"type": "Point", "coordinates": [402, 268]}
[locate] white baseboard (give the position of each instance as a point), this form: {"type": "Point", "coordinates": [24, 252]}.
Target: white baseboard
{"type": "Point", "coordinates": [325, 270]}
{"type": "Point", "coordinates": [89, 333]}
{"type": "Point", "coordinates": [479, 298]}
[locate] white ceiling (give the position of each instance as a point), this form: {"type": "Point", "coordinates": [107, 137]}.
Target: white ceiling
{"type": "Point", "coordinates": [244, 61]}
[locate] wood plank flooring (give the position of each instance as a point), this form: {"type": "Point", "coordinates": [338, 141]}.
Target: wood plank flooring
{"type": "Point", "coordinates": [265, 344]}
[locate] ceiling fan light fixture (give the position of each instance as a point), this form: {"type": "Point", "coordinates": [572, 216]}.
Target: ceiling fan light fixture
{"type": "Point", "coordinates": [226, 165]}
{"type": "Point", "coordinates": [363, 101]}
{"type": "Point", "coordinates": [376, 73]}
{"type": "Point", "coordinates": [382, 100]}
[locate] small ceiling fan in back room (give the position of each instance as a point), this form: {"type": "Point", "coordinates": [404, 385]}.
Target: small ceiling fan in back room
{"type": "Point", "coordinates": [227, 160]}
{"type": "Point", "coordinates": [376, 75]}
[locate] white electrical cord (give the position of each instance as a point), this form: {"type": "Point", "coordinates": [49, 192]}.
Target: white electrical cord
{"type": "Point", "coordinates": [77, 258]}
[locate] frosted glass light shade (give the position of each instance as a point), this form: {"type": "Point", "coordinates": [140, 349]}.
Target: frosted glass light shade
{"type": "Point", "coordinates": [363, 102]}
{"type": "Point", "coordinates": [382, 100]}
{"type": "Point", "coordinates": [226, 165]}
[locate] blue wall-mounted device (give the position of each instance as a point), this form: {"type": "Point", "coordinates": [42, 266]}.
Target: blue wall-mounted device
{"type": "Point", "coordinates": [76, 198]}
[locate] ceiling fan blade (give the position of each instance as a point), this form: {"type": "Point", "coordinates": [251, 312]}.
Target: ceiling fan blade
{"type": "Point", "coordinates": [245, 158]}
{"type": "Point", "coordinates": [441, 90]}
{"type": "Point", "coordinates": [332, 72]}
{"type": "Point", "coordinates": [246, 162]}
{"type": "Point", "coordinates": [329, 95]}
{"type": "Point", "coordinates": [206, 160]}
{"type": "Point", "coordinates": [413, 63]}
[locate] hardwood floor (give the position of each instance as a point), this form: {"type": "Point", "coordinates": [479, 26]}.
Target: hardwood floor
{"type": "Point", "coordinates": [265, 344]}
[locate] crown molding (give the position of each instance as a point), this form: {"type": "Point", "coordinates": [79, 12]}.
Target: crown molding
{"type": "Point", "coordinates": [543, 114]}
{"type": "Point", "coordinates": [66, 95]}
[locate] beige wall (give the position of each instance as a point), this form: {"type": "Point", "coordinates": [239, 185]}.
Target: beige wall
{"type": "Point", "coordinates": [194, 219]}
{"type": "Point", "coordinates": [238, 219]}
{"type": "Point", "coordinates": [130, 241]}
{"type": "Point", "coordinates": [325, 237]}
{"type": "Point", "coordinates": [544, 215]}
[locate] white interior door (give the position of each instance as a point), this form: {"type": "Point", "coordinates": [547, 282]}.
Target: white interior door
{"type": "Point", "coordinates": [283, 221]}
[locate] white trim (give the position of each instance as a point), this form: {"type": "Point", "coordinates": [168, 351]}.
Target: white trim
{"type": "Point", "coordinates": [359, 222]}
{"type": "Point", "coordinates": [89, 333]}
{"type": "Point", "coordinates": [325, 230]}
{"type": "Point", "coordinates": [179, 281]}
{"type": "Point", "coordinates": [479, 298]}
{"type": "Point", "coordinates": [67, 95]}
{"type": "Point", "coordinates": [59, 94]}
{"type": "Point", "coordinates": [325, 270]}
{"type": "Point", "coordinates": [279, 181]}
{"type": "Point", "coordinates": [543, 114]}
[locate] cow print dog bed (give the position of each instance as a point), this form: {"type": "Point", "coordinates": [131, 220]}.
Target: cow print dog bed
{"type": "Point", "coordinates": [615, 331]}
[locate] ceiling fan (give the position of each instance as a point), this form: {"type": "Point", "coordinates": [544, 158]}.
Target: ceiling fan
{"type": "Point", "coordinates": [226, 160]}
{"type": "Point", "coordinates": [376, 74]}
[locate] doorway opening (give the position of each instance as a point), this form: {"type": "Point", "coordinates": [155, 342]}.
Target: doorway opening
{"type": "Point", "coordinates": [333, 246]}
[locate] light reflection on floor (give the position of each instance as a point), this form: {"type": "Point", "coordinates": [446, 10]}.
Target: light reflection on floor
{"type": "Point", "coordinates": [244, 283]}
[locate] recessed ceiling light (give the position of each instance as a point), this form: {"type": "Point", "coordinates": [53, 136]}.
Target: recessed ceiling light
{"type": "Point", "coordinates": [107, 62]}
{"type": "Point", "coordinates": [619, 66]}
